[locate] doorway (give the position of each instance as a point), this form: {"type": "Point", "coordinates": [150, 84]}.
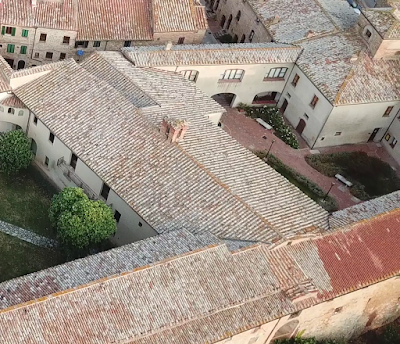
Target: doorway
{"type": "Point", "coordinates": [300, 127]}
{"type": "Point", "coordinates": [371, 138]}
{"type": "Point", "coordinates": [283, 107]}
{"type": "Point", "coordinates": [21, 64]}
{"type": "Point", "coordinates": [10, 62]}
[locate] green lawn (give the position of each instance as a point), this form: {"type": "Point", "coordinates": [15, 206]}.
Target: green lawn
{"type": "Point", "coordinates": [25, 200]}
{"type": "Point", "coordinates": [18, 257]}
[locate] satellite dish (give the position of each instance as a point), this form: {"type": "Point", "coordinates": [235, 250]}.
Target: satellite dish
{"type": "Point", "coordinates": [79, 52]}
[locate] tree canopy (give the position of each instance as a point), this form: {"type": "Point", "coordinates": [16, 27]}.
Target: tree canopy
{"type": "Point", "coordinates": [15, 151]}
{"type": "Point", "coordinates": [80, 221]}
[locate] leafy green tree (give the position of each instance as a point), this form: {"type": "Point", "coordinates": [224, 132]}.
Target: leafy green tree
{"type": "Point", "coordinates": [15, 151]}
{"type": "Point", "coordinates": [79, 221]}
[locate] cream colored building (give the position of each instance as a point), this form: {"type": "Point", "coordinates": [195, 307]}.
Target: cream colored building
{"type": "Point", "coordinates": [43, 31]}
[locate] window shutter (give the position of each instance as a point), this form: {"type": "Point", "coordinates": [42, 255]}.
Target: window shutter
{"type": "Point", "coordinates": [13, 31]}
{"type": "Point", "coordinates": [3, 30]}
{"type": "Point", "coordinates": [23, 49]}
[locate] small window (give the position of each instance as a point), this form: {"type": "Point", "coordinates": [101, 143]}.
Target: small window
{"type": "Point", "coordinates": [62, 56]}
{"type": "Point", "coordinates": [46, 161]}
{"type": "Point", "coordinates": [288, 95]}
{"type": "Point", "coordinates": [74, 160]}
{"type": "Point", "coordinates": [10, 48]}
{"type": "Point", "coordinates": [140, 224]}
{"type": "Point", "coordinates": [117, 216]}
{"type": "Point", "coordinates": [66, 40]}
{"type": "Point", "coordinates": [20, 112]}
{"type": "Point", "coordinates": [49, 55]}
{"type": "Point", "coordinates": [251, 36]}
{"type": "Point", "coordinates": [105, 190]}
{"type": "Point", "coordinates": [127, 44]}
{"type": "Point", "coordinates": [81, 44]}
{"type": "Point", "coordinates": [387, 137]}
{"type": "Point", "coordinates": [322, 138]}
{"type": "Point", "coordinates": [190, 74]}
{"type": "Point", "coordinates": [43, 37]}
{"type": "Point", "coordinates": [306, 116]}
{"type": "Point", "coordinates": [276, 73]}
{"type": "Point", "coordinates": [314, 102]}
{"type": "Point", "coordinates": [295, 80]}
{"type": "Point", "coordinates": [11, 111]}
{"type": "Point", "coordinates": [232, 74]}
{"type": "Point", "coordinates": [388, 111]}
{"type": "Point", "coordinates": [36, 55]}
{"type": "Point", "coordinates": [96, 44]}
{"type": "Point", "coordinates": [338, 309]}
{"type": "Point", "coordinates": [238, 15]}
{"type": "Point", "coordinates": [23, 49]}
{"type": "Point", "coordinates": [35, 120]}
{"type": "Point", "coordinates": [368, 33]}
{"type": "Point", "coordinates": [338, 133]}
{"type": "Point", "coordinates": [9, 30]}
{"type": "Point", "coordinates": [393, 143]}
{"type": "Point", "coordinates": [25, 33]}
{"type": "Point", "coordinates": [181, 40]}
{"type": "Point", "coordinates": [51, 137]}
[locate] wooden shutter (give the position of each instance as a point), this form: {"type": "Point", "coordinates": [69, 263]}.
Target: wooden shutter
{"type": "Point", "coordinates": [13, 31]}
{"type": "Point", "coordinates": [3, 30]}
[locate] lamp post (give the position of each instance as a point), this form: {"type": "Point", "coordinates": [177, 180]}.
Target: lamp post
{"type": "Point", "coordinates": [326, 195]}
{"type": "Point", "coordinates": [269, 149]}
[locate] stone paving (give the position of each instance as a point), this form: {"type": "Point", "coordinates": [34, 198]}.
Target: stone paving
{"type": "Point", "coordinates": [253, 136]}
{"type": "Point", "coordinates": [27, 236]}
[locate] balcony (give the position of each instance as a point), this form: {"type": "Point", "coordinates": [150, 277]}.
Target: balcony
{"type": "Point", "coordinates": [69, 173]}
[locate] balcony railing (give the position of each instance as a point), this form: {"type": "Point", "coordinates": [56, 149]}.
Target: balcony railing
{"type": "Point", "coordinates": [70, 174]}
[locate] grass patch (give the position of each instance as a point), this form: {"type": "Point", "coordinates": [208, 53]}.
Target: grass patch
{"type": "Point", "coordinates": [25, 200]}
{"type": "Point", "coordinates": [308, 187]}
{"type": "Point", "coordinates": [19, 258]}
{"type": "Point", "coordinates": [371, 176]}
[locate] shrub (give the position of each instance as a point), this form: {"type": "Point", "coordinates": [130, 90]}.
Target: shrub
{"type": "Point", "coordinates": [15, 151]}
{"type": "Point", "coordinates": [272, 116]}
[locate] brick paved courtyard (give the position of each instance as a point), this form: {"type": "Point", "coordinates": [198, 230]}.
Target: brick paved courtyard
{"type": "Point", "coordinates": [251, 135]}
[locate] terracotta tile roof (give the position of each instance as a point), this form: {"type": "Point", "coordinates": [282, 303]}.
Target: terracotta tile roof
{"type": "Point", "coordinates": [365, 210]}
{"type": "Point", "coordinates": [39, 69]}
{"type": "Point", "coordinates": [114, 20]}
{"type": "Point", "coordinates": [199, 17]}
{"type": "Point", "coordinates": [381, 19]}
{"type": "Point", "coordinates": [199, 296]}
{"type": "Point", "coordinates": [13, 101]}
{"type": "Point", "coordinates": [61, 15]}
{"type": "Point", "coordinates": [16, 12]}
{"type": "Point", "coordinates": [210, 54]}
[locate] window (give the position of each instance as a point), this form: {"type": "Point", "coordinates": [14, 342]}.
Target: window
{"type": "Point", "coordinates": [314, 102]}
{"type": "Point", "coordinates": [388, 111]}
{"type": "Point", "coordinates": [140, 224]}
{"type": "Point", "coordinates": [276, 73]}
{"type": "Point", "coordinates": [105, 190]}
{"type": "Point", "coordinates": [233, 75]}
{"type": "Point", "coordinates": [25, 33]}
{"type": "Point", "coordinates": [251, 36]}
{"type": "Point", "coordinates": [338, 310]}
{"type": "Point", "coordinates": [127, 44]}
{"type": "Point", "coordinates": [51, 137]}
{"type": "Point", "coordinates": [36, 55]}
{"type": "Point", "coordinates": [66, 40]}
{"type": "Point", "coordinates": [8, 30]}
{"type": "Point", "coordinates": [62, 56]}
{"type": "Point", "coordinates": [288, 95]}
{"type": "Point", "coordinates": [81, 44]}
{"type": "Point", "coordinates": [238, 15]}
{"type": "Point", "coordinates": [10, 48]}
{"type": "Point", "coordinates": [181, 40]}
{"type": "Point", "coordinates": [393, 143]}
{"type": "Point", "coordinates": [96, 44]}
{"type": "Point", "coordinates": [190, 74]}
{"type": "Point", "coordinates": [117, 216]}
{"type": "Point", "coordinates": [46, 161]}
{"type": "Point", "coordinates": [20, 112]}
{"type": "Point", "coordinates": [368, 33]}
{"type": "Point", "coordinates": [338, 133]}
{"type": "Point", "coordinates": [387, 137]}
{"type": "Point", "coordinates": [49, 55]}
{"type": "Point", "coordinates": [11, 111]}
{"type": "Point", "coordinates": [295, 80]}
{"type": "Point", "coordinates": [43, 37]}
{"type": "Point", "coordinates": [23, 49]}
{"type": "Point", "coordinates": [35, 120]}
{"type": "Point", "coordinates": [74, 160]}
{"type": "Point", "coordinates": [306, 116]}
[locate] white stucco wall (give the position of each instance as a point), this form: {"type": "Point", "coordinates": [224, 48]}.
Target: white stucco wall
{"type": "Point", "coordinates": [299, 105]}
{"type": "Point", "coordinates": [394, 133]}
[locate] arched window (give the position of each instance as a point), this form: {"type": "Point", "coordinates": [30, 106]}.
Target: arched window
{"type": "Point", "coordinates": [11, 111]}
{"type": "Point", "coordinates": [190, 74]}
{"type": "Point", "coordinates": [20, 112]}
{"type": "Point", "coordinates": [238, 15]}
{"type": "Point", "coordinates": [223, 20]}
{"type": "Point", "coordinates": [243, 39]}
{"type": "Point", "coordinates": [251, 35]}
{"type": "Point", "coordinates": [235, 39]}
{"type": "Point", "coordinates": [229, 22]}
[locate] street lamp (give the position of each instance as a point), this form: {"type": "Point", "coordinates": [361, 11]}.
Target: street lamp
{"type": "Point", "coordinates": [273, 141]}
{"type": "Point", "coordinates": [326, 195]}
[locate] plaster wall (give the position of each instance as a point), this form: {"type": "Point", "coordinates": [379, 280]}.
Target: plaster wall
{"type": "Point", "coordinates": [393, 133]}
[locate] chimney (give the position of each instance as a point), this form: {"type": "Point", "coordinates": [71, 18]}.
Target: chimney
{"type": "Point", "coordinates": [174, 129]}
{"type": "Point", "coordinates": [168, 46]}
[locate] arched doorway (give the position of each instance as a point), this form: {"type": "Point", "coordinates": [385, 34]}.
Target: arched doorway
{"type": "Point", "coordinates": [224, 99]}
{"type": "Point", "coordinates": [229, 22]}
{"type": "Point", "coordinates": [21, 64]}
{"type": "Point", "coordinates": [33, 147]}
{"type": "Point", "coordinates": [286, 331]}
{"type": "Point", "coordinates": [235, 39]}
{"type": "Point", "coordinates": [222, 22]}
{"type": "Point", "coordinates": [243, 39]}
{"type": "Point", "coordinates": [300, 127]}
{"type": "Point", "coordinates": [265, 98]}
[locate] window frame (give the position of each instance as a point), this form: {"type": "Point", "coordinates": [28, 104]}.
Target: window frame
{"type": "Point", "coordinates": [11, 111]}
{"type": "Point", "coordinates": [338, 133]}
{"type": "Point", "coordinates": [251, 36]}
{"type": "Point", "coordinates": [47, 55]}
{"type": "Point", "coordinates": [24, 33]}
{"type": "Point", "coordinates": [66, 40]}
{"type": "Point", "coordinates": [232, 75]}
{"type": "Point", "coordinates": [96, 44]}
{"type": "Point", "coordinates": [35, 120]}
{"type": "Point", "coordinates": [190, 74]}
{"type": "Point", "coordinates": [73, 161]}
{"type": "Point", "coordinates": [181, 40]}
{"type": "Point", "coordinates": [295, 80]}
{"type": "Point", "coordinates": [280, 71]}
{"type": "Point", "coordinates": [388, 111]}
{"type": "Point", "coordinates": [117, 216]}
{"type": "Point", "coordinates": [314, 101]}
{"type": "Point", "coordinates": [23, 50]}
{"type": "Point", "coordinates": [11, 48]}
{"type": "Point", "coordinates": [127, 44]}
{"type": "Point", "coordinates": [63, 56]}
{"type": "Point", "coordinates": [51, 137]}
{"type": "Point", "coordinates": [105, 191]}
{"type": "Point", "coordinates": [43, 37]}
{"type": "Point", "coordinates": [366, 33]}
{"type": "Point", "coordinates": [20, 112]}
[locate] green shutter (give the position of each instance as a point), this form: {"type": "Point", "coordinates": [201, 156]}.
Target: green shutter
{"type": "Point", "coordinates": [10, 48]}
{"type": "Point", "coordinates": [25, 33]}
{"type": "Point", "coordinates": [3, 30]}
{"type": "Point", "coordinates": [13, 31]}
{"type": "Point", "coordinates": [23, 49]}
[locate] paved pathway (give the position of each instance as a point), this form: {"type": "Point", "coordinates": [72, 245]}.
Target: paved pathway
{"type": "Point", "coordinates": [251, 135]}
{"type": "Point", "coordinates": [27, 236]}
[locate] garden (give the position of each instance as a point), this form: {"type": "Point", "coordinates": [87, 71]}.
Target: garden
{"type": "Point", "coordinates": [272, 116]}
{"type": "Point", "coordinates": [371, 177]}
{"type": "Point", "coordinates": [311, 189]}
